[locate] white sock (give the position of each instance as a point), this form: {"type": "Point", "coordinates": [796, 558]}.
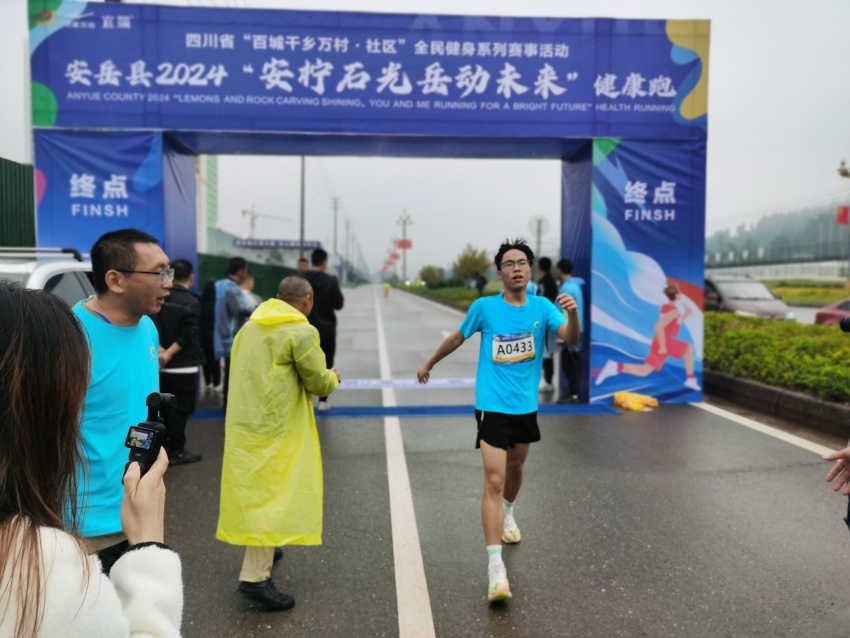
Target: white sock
{"type": "Point", "coordinates": [507, 507]}
{"type": "Point", "coordinates": [494, 555]}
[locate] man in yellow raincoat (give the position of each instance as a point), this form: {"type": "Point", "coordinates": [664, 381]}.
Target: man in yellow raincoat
{"type": "Point", "coordinates": [271, 481]}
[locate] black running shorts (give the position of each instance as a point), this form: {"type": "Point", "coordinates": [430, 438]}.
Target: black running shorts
{"type": "Point", "coordinates": [506, 430]}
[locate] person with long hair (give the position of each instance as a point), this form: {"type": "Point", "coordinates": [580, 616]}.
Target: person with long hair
{"type": "Point", "coordinates": [50, 583]}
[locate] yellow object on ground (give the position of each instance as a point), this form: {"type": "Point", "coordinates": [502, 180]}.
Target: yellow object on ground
{"type": "Point", "coordinates": [632, 401]}
{"type": "Point", "coordinates": [271, 481]}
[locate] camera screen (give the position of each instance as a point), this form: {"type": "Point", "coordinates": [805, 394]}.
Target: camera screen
{"type": "Point", "coordinates": [140, 438]}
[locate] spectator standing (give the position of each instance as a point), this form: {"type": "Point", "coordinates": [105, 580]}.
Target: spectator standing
{"type": "Point", "coordinates": [180, 358]}
{"type": "Point", "coordinates": [327, 299]}
{"type": "Point", "coordinates": [480, 283]}
{"type": "Point", "coordinates": [247, 288]}
{"type": "Point", "coordinates": [303, 266]}
{"type": "Point", "coordinates": [570, 361]}
{"type": "Point", "coordinates": [132, 279]}
{"type": "Point", "coordinates": [231, 311]}
{"type": "Point", "coordinates": [206, 328]}
{"type": "Point", "coordinates": [271, 483]}
{"type": "Point", "coordinates": [547, 287]}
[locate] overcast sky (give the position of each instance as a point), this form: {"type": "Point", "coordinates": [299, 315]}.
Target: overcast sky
{"type": "Point", "coordinates": [779, 123]}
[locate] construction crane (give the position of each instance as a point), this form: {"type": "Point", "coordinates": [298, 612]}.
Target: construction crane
{"type": "Point", "coordinates": [254, 216]}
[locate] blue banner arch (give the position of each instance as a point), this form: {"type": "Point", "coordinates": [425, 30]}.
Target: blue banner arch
{"type": "Point", "coordinates": [130, 93]}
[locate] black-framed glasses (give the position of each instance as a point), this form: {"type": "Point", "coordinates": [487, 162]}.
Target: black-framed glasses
{"type": "Point", "coordinates": [522, 263]}
{"type": "Point", "coordinates": [164, 276]}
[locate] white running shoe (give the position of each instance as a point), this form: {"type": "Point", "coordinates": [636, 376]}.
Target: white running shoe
{"type": "Point", "coordinates": [691, 382]}
{"type": "Point", "coordinates": [323, 406]}
{"type": "Point", "coordinates": [608, 370]}
{"type": "Point", "coordinates": [545, 387]}
{"type": "Point", "coordinates": [510, 532]}
{"type": "Point", "coordinates": [498, 587]}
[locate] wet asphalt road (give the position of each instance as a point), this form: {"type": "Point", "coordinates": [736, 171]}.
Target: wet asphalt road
{"type": "Point", "coordinates": [676, 522]}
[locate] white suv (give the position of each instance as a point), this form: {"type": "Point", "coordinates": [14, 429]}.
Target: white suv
{"type": "Point", "coordinates": [62, 271]}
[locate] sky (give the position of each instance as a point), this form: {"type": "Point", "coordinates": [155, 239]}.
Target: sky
{"type": "Point", "coordinates": [779, 124]}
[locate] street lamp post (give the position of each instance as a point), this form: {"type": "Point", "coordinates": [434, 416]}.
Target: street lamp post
{"type": "Point", "coordinates": [405, 221]}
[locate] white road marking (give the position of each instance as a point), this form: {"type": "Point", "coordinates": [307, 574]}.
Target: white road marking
{"type": "Point", "coordinates": [766, 429]}
{"type": "Point", "coordinates": [414, 602]}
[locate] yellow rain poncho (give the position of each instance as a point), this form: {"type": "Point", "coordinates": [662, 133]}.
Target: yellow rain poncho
{"type": "Point", "coordinates": [271, 481]}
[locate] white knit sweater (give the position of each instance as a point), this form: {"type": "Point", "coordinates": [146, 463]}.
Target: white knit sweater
{"type": "Point", "coordinates": [142, 596]}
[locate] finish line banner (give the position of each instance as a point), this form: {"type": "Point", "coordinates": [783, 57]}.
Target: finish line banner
{"type": "Point", "coordinates": [114, 65]}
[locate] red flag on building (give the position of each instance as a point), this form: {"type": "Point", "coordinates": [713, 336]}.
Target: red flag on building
{"type": "Point", "coordinates": [843, 216]}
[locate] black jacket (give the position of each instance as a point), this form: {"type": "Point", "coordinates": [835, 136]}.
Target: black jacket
{"type": "Point", "coordinates": [327, 297]}
{"type": "Point", "coordinates": [177, 320]}
{"type": "Point", "coordinates": [549, 285]}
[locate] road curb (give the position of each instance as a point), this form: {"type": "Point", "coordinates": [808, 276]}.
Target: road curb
{"type": "Point", "coordinates": [823, 416]}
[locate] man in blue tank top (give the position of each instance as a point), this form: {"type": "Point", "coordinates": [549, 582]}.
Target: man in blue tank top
{"type": "Point", "coordinates": [513, 329]}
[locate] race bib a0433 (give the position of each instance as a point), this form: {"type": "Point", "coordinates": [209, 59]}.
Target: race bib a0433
{"type": "Point", "coordinates": [515, 348]}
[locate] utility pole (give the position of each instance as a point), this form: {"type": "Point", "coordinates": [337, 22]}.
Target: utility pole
{"type": "Point", "coordinates": [347, 249]}
{"type": "Point", "coordinates": [301, 236]}
{"type": "Point", "coordinates": [405, 220]}
{"type": "Point", "coordinates": [539, 233]}
{"type": "Point", "coordinates": [335, 206]}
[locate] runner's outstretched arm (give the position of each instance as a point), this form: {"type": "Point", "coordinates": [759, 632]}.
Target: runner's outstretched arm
{"type": "Point", "coordinates": [452, 343]}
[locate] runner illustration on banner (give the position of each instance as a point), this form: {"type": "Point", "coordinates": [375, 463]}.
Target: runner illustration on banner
{"type": "Point", "coordinates": [664, 344]}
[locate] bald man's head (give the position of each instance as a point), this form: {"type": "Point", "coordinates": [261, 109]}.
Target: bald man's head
{"type": "Point", "coordinates": [297, 292]}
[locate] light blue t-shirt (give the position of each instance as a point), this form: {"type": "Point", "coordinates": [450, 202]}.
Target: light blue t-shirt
{"type": "Point", "coordinates": [124, 371]}
{"type": "Point", "coordinates": [511, 354]}
{"type": "Point", "coordinates": [572, 287]}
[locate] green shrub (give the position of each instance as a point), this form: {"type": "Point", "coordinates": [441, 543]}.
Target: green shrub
{"type": "Point", "coordinates": [810, 359]}
{"type": "Point", "coordinates": [436, 284]}
{"type": "Point", "coordinates": [462, 296]}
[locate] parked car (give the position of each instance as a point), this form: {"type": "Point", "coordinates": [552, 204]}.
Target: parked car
{"type": "Point", "coordinates": [62, 271]}
{"type": "Point", "coordinates": [743, 296]}
{"type": "Point", "coordinates": [832, 314]}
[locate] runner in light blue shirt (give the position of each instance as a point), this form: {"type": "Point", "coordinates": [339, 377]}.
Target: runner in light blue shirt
{"type": "Point", "coordinates": [513, 328]}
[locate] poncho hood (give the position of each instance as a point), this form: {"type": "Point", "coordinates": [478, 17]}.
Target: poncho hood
{"type": "Point", "coordinates": [275, 311]}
